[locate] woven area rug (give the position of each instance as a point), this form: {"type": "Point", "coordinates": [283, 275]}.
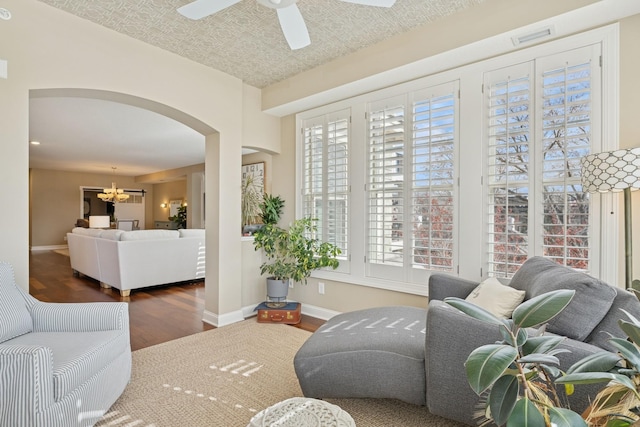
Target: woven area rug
{"type": "Point", "coordinates": [223, 377]}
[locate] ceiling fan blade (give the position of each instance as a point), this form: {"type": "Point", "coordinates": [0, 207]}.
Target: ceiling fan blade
{"type": "Point", "coordinates": [202, 8]}
{"type": "Point", "coordinates": [293, 27]}
{"type": "Point", "coordinates": [378, 3]}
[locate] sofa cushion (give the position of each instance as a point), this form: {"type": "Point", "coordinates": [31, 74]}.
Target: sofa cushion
{"type": "Point", "coordinates": [93, 232]}
{"type": "Point", "coordinates": [15, 318]}
{"type": "Point", "coordinates": [608, 327]}
{"type": "Point", "coordinates": [77, 356]}
{"type": "Point", "coordinates": [372, 353]}
{"type": "Point", "coordinates": [149, 235]}
{"type": "Point", "coordinates": [111, 234]}
{"type": "Point", "coordinates": [496, 298]}
{"type": "Point", "coordinates": [590, 304]}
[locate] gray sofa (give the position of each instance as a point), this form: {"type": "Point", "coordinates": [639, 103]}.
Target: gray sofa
{"type": "Point", "coordinates": [347, 357]}
{"type": "Point", "coordinates": [60, 364]}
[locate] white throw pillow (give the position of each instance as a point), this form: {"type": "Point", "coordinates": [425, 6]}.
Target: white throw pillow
{"type": "Point", "coordinates": [496, 298]}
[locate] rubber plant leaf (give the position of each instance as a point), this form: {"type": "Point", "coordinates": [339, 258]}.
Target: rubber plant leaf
{"type": "Point", "coordinates": [631, 317]}
{"type": "Point", "coordinates": [525, 414]}
{"type": "Point", "coordinates": [562, 417]}
{"type": "Point", "coordinates": [602, 361]}
{"type": "Point", "coordinates": [596, 377]}
{"type": "Point", "coordinates": [539, 358]}
{"type": "Point", "coordinates": [542, 308]}
{"type": "Point", "coordinates": [632, 330]}
{"type": "Point", "coordinates": [488, 363]}
{"type": "Point", "coordinates": [541, 344]}
{"type": "Point", "coordinates": [551, 370]}
{"type": "Point", "coordinates": [507, 337]}
{"type": "Point", "coordinates": [473, 310]}
{"type": "Point", "coordinates": [503, 397]}
{"type": "Point", "coordinates": [627, 349]}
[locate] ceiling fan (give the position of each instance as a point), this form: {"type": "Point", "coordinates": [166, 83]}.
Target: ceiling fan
{"type": "Point", "coordinates": [291, 20]}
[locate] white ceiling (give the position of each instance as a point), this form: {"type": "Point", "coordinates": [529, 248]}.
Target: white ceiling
{"type": "Point", "coordinates": [91, 135]}
{"type": "Point", "coordinates": [244, 40]}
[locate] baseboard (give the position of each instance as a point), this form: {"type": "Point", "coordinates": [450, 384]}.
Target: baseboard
{"type": "Point", "coordinates": [47, 248]}
{"type": "Point", "coordinates": [318, 312]}
{"type": "Point", "coordinates": [222, 319]}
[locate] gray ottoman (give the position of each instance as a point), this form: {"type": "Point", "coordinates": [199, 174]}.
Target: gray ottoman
{"type": "Point", "coordinates": [372, 353]}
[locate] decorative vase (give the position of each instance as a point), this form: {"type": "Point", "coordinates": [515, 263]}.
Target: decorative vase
{"type": "Point", "coordinates": [277, 291]}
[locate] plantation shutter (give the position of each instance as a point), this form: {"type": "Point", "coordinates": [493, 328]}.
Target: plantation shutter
{"type": "Point", "coordinates": [567, 108]}
{"type": "Point", "coordinates": [386, 152]}
{"type": "Point", "coordinates": [509, 164]}
{"type": "Point", "coordinates": [432, 179]}
{"type": "Point", "coordinates": [325, 187]}
{"type": "Point", "coordinates": [410, 186]}
{"type": "Point", "coordinates": [540, 123]}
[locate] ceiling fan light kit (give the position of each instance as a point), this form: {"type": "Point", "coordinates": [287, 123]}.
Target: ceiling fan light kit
{"type": "Point", "coordinates": [291, 20]}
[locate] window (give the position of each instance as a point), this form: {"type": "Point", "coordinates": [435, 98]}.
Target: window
{"type": "Point", "coordinates": [540, 125]}
{"type": "Point", "coordinates": [326, 177]}
{"type": "Point", "coordinates": [411, 182]}
{"type": "Point", "coordinates": [469, 171]}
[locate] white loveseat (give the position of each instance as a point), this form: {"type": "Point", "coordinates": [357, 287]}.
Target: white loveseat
{"type": "Point", "coordinates": [136, 259]}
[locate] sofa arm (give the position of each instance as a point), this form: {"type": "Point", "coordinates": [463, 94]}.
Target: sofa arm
{"type": "Point", "coordinates": [451, 336]}
{"type": "Point", "coordinates": [80, 317]}
{"type": "Point", "coordinates": [442, 286]}
{"type": "Point", "coordinates": [27, 373]}
{"type": "Point", "coordinates": [583, 393]}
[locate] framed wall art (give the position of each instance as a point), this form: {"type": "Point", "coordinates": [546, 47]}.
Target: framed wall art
{"type": "Point", "coordinates": [257, 172]}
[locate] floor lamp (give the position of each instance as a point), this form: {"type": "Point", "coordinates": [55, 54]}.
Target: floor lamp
{"type": "Point", "coordinates": [615, 171]}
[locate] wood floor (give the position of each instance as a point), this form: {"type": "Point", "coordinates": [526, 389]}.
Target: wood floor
{"type": "Point", "coordinates": [156, 314]}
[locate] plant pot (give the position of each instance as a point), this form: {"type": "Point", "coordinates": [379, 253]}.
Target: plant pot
{"type": "Point", "coordinates": [277, 290]}
{"type": "Point", "coordinates": [251, 229]}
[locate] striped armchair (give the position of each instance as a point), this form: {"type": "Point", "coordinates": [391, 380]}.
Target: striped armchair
{"type": "Point", "coordinates": [60, 364]}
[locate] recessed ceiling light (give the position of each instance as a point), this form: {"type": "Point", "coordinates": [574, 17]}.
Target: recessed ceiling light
{"type": "Point", "coordinates": [35, 142]}
{"type": "Point", "coordinates": [5, 14]}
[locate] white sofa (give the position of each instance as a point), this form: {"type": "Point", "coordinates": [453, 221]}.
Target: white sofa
{"type": "Point", "coordinates": [136, 259]}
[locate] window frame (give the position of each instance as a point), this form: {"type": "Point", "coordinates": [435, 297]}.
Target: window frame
{"type": "Point", "coordinates": [469, 234]}
{"type": "Point", "coordinates": [323, 120]}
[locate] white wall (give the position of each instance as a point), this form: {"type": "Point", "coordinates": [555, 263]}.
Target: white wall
{"type": "Point", "coordinates": [47, 48]}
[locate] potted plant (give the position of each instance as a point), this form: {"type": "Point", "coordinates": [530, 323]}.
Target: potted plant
{"type": "Point", "coordinates": [618, 403]}
{"type": "Point", "coordinates": [251, 198]}
{"type": "Point", "coordinates": [292, 254]}
{"type": "Point", "coordinates": [271, 209]}
{"type": "Point", "coordinates": [180, 219]}
{"type": "Point", "coordinates": [518, 371]}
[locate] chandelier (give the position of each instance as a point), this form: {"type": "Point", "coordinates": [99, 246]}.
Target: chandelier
{"type": "Point", "coordinates": [113, 194]}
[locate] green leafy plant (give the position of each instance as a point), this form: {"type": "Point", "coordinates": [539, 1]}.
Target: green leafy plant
{"type": "Point", "coordinates": [180, 219]}
{"type": "Point", "coordinates": [618, 403]}
{"type": "Point", "coordinates": [518, 372]}
{"type": "Point", "coordinates": [271, 209]}
{"type": "Point", "coordinates": [294, 253]}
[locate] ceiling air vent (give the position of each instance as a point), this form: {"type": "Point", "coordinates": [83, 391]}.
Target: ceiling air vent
{"type": "Point", "coordinates": [533, 36]}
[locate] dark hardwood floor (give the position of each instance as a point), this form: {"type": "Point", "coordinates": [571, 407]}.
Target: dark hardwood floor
{"type": "Point", "coordinates": [156, 315]}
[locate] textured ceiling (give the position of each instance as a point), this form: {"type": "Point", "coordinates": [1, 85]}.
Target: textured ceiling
{"type": "Point", "coordinates": [245, 40]}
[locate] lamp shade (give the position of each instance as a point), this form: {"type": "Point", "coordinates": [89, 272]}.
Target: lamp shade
{"type": "Point", "coordinates": [99, 221]}
{"type": "Point", "coordinates": [611, 171]}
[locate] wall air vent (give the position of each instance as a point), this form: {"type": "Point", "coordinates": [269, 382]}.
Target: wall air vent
{"type": "Point", "coordinates": [533, 36]}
